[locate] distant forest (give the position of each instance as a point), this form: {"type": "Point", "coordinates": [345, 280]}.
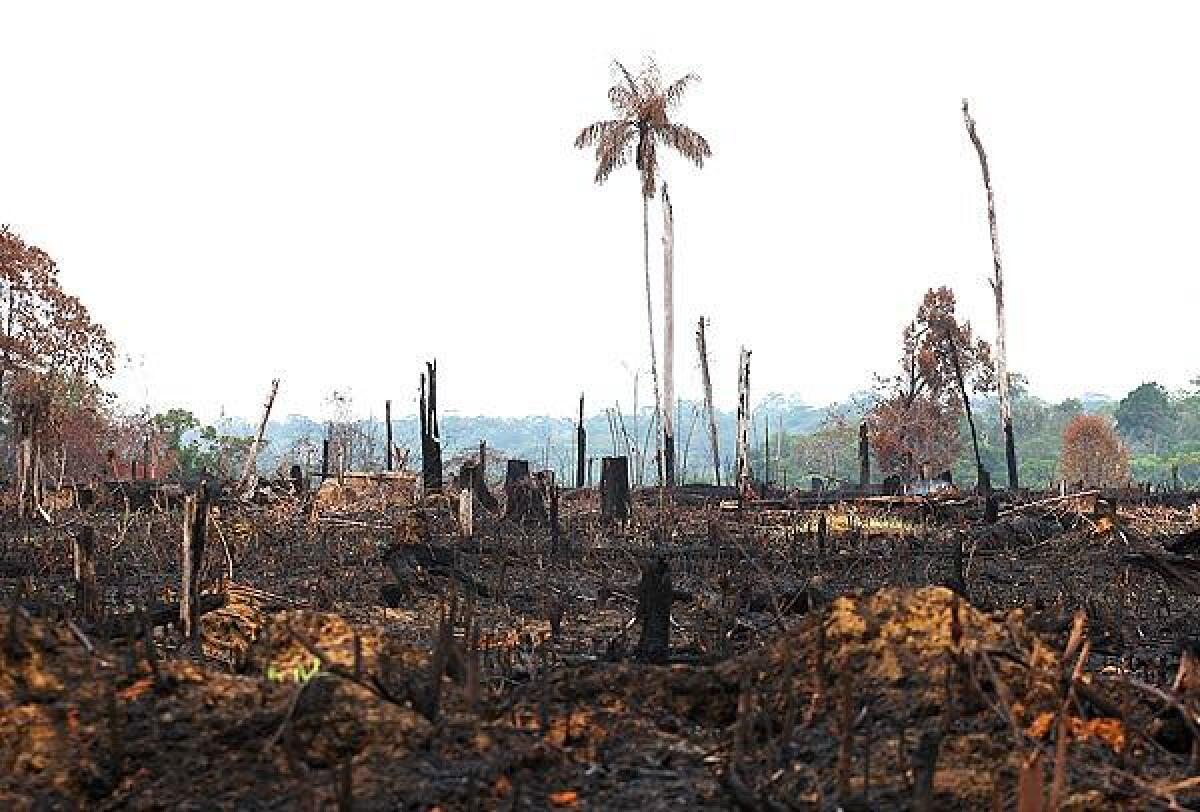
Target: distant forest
{"type": "Point", "coordinates": [791, 440]}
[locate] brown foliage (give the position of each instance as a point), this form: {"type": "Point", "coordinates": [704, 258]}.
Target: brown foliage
{"type": "Point", "coordinates": [915, 422]}
{"type": "Point", "coordinates": [1092, 453]}
{"type": "Point", "coordinates": [642, 106]}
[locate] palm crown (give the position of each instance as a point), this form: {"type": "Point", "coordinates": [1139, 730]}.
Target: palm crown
{"type": "Point", "coordinates": [642, 106]}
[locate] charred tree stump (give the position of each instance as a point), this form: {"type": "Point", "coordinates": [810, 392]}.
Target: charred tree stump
{"type": "Point", "coordinates": [515, 471]}
{"type": "Point", "coordinates": [864, 456]}
{"type": "Point", "coordinates": [614, 488]}
{"type": "Point", "coordinates": [470, 478]}
{"type": "Point", "coordinates": [431, 442]}
{"type": "Point", "coordinates": [654, 611]}
{"type": "Point", "coordinates": [87, 599]}
{"type": "Point", "coordinates": [324, 459]}
{"type": "Point", "coordinates": [195, 527]}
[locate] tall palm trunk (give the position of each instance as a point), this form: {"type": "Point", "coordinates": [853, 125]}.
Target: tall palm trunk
{"type": "Point", "coordinates": [658, 410]}
{"type": "Point", "coordinates": [668, 339]}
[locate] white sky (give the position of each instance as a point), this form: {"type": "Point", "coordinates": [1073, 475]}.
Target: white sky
{"type": "Point", "coordinates": [335, 192]}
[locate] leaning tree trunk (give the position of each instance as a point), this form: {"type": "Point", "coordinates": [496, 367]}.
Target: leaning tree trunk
{"type": "Point", "coordinates": [668, 339]}
{"type": "Point", "coordinates": [658, 410]}
{"type": "Point", "coordinates": [997, 282]}
{"type": "Point", "coordinates": [252, 457]}
{"type": "Point", "coordinates": [702, 348]}
{"type": "Point", "coordinates": [985, 479]}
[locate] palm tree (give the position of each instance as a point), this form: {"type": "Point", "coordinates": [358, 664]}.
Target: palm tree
{"type": "Point", "coordinates": [643, 106]}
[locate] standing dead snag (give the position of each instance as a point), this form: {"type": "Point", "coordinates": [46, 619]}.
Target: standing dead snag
{"type": "Point", "coordinates": [195, 526]}
{"type": "Point", "coordinates": [743, 423]}
{"type": "Point", "coordinates": [864, 456]}
{"type": "Point", "coordinates": [702, 349]}
{"type": "Point", "coordinates": [997, 282]}
{"type": "Point", "coordinates": [654, 611]}
{"type": "Point", "coordinates": [580, 447]}
{"type": "Point", "coordinates": [387, 419]}
{"type": "Point", "coordinates": [87, 600]}
{"type": "Point", "coordinates": [668, 409]}
{"type": "Point", "coordinates": [252, 457]}
{"type": "Point", "coordinates": [431, 442]}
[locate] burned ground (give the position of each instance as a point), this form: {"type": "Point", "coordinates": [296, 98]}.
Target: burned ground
{"type": "Point", "coordinates": [365, 655]}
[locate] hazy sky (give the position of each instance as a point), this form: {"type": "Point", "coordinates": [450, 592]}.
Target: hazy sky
{"type": "Point", "coordinates": [333, 193]}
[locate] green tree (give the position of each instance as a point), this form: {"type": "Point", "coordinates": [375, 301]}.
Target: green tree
{"type": "Point", "coordinates": [1145, 417]}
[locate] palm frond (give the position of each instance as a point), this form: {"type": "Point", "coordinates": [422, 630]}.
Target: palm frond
{"type": "Point", "coordinates": [633, 85]}
{"type": "Point", "coordinates": [686, 141]}
{"type": "Point", "coordinates": [613, 152]}
{"type": "Point", "coordinates": [595, 133]}
{"type": "Point", "coordinates": [674, 92]}
{"type": "Point", "coordinates": [624, 99]}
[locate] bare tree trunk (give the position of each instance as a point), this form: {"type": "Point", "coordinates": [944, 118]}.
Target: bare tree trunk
{"type": "Point", "coordinates": [195, 526]}
{"type": "Point", "coordinates": [997, 282]}
{"type": "Point", "coordinates": [387, 419]}
{"type": "Point", "coordinates": [87, 598]}
{"type": "Point", "coordinates": [864, 456]}
{"type": "Point", "coordinates": [702, 348]}
{"type": "Point", "coordinates": [668, 339]}
{"type": "Point", "coordinates": [743, 421]}
{"type": "Point", "coordinates": [580, 447]}
{"type": "Point", "coordinates": [985, 480]}
{"type": "Point", "coordinates": [658, 410]}
{"type": "Point", "coordinates": [252, 457]}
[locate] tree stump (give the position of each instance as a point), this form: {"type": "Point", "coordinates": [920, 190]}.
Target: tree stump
{"type": "Point", "coordinates": [195, 527]}
{"type": "Point", "coordinates": [654, 611]}
{"type": "Point", "coordinates": [614, 488]}
{"type": "Point", "coordinates": [87, 599]}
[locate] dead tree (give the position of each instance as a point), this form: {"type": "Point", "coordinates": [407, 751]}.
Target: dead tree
{"type": "Point", "coordinates": [985, 481]}
{"type": "Point", "coordinates": [387, 419]}
{"type": "Point", "coordinates": [580, 447]}
{"type": "Point", "coordinates": [195, 527]}
{"type": "Point", "coordinates": [654, 611]}
{"type": "Point", "coordinates": [431, 443]}
{"type": "Point", "coordinates": [997, 282]}
{"type": "Point", "coordinates": [614, 488]}
{"type": "Point", "coordinates": [864, 456]}
{"type": "Point", "coordinates": [702, 349]}
{"type": "Point", "coordinates": [87, 599]}
{"type": "Point", "coordinates": [252, 457]}
{"type": "Point", "coordinates": [668, 407]}
{"type": "Point", "coordinates": [523, 500]}
{"type": "Point", "coordinates": [743, 422]}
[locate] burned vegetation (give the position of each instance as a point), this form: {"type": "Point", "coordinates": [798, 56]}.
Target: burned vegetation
{"type": "Point", "coordinates": [393, 639]}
